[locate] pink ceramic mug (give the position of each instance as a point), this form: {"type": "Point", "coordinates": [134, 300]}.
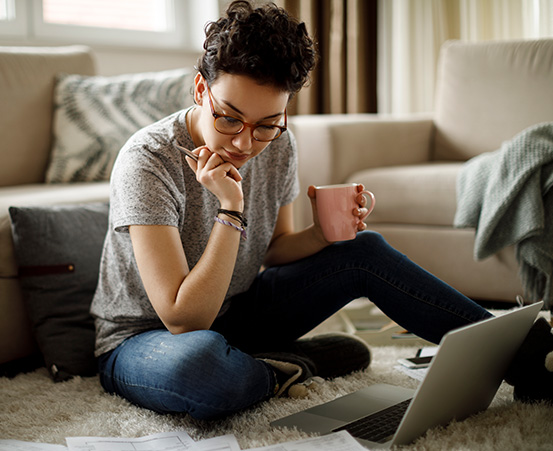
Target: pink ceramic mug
{"type": "Point", "coordinates": [335, 209]}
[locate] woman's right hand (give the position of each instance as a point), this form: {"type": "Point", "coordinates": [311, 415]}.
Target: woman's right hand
{"type": "Point", "coordinates": [219, 177]}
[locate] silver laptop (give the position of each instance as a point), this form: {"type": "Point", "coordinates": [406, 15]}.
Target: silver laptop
{"type": "Point", "coordinates": [462, 380]}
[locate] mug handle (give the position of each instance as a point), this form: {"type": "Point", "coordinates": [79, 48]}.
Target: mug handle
{"type": "Point", "coordinates": [371, 207]}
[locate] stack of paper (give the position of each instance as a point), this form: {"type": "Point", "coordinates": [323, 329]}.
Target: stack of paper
{"type": "Point", "coordinates": [181, 441]}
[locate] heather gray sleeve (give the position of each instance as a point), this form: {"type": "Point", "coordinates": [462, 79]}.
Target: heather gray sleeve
{"type": "Point", "coordinates": [140, 193]}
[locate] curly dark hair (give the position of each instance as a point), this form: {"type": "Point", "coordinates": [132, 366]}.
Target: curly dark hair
{"type": "Point", "coordinates": [264, 43]}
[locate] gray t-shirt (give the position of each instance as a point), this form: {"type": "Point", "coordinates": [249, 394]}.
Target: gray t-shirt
{"type": "Point", "coordinates": [151, 184]}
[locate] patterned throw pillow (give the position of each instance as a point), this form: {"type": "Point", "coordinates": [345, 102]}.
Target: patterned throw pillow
{"type": "Point", "coordinates": [94, 117]}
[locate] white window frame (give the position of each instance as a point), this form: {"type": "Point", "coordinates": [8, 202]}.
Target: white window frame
{"type": "Point", "coordinates": [187, 34]}
{"type": "Point", "coordinates": [16, 27]}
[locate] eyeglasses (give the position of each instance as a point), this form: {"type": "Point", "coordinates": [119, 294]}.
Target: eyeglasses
{"type": "Point", "coordinates": [229, 125]}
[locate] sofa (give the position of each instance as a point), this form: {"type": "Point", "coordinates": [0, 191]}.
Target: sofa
{"type": "Point", "coordinates": [486, 93]}
{"type": "Point", "coordinates": [61, 127]}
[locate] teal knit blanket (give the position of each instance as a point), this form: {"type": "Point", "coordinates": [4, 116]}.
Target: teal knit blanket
{"type": "Point", "coordinates": [506, 196]}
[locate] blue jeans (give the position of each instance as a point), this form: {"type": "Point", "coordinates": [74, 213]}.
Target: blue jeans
{"type": "Point", "coordinates": [211, 373]}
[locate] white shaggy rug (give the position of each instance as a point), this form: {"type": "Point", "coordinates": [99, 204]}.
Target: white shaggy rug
{"type": "Point", "coordinates": [33, 408]}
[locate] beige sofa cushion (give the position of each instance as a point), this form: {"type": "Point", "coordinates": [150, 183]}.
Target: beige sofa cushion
{"type": "Point", "coordinates": [26, 92]}
{"type": "Point", "coordinates": [332, 146]}
{"type": "Point", "coordinates": [447, 253]}
{"type": "Point", "coordinates": [416, 194]}
{"type": "Point", "coordinates": [488, 92]}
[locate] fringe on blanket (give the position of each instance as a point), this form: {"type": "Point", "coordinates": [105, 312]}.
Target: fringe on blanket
{"type": "Point", "coordinates": [535, 284]}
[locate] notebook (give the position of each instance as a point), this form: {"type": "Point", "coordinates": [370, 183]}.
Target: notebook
{"type": "Point", "coordinates": [462, 380]}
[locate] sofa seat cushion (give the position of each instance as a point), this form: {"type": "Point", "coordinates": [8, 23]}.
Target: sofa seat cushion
{"type": "Point", "coordinates": [422, 194]}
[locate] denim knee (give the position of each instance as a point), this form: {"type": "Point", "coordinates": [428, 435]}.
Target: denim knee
{"type": "Point", "coordinates": [222, 379]}
{"type": "Point", "coordinates": [366, 247]}
{"type": "Point", "coordinates": [369, 239]}
{"type": "Point", "coordinates": [197, 373]}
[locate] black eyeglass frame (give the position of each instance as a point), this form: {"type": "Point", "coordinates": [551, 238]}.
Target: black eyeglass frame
{"type": "Point", "coordinates": [281, 128]}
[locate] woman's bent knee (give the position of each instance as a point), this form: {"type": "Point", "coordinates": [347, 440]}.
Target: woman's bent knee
{"type": "Point", "coordinates": [197, 373]}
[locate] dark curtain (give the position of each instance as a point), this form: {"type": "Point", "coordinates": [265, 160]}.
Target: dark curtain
{"type": "Point", "coordinates": [344, 80]}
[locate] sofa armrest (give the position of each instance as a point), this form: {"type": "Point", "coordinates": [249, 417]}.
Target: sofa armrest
{"type": "Point", "coordinates": [332, 147]}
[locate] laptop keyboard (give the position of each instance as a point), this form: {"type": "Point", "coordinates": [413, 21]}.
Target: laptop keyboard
{"type": "Point", "coordinates": [379, 426]}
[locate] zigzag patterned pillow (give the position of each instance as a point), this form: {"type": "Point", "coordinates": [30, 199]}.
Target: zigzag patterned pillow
{"type": "Point", "coordinates": [94, 117]}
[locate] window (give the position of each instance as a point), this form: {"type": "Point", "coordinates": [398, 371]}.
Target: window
{"type": "Point", "coordinates": [7, 10]}
{"type": "Point", "coordinates": [12, 18]}
{"type": "Point", "coordinates": [143, 15]}
{"type": "Point", "coordinates": [145, 23]}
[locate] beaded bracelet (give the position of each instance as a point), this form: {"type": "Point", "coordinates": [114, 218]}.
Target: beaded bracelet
{"type": "Point", "coordinates": [234, 226]}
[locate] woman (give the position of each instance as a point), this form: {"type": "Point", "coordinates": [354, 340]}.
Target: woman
{"type": "Point", "coordinates": [186, 320]}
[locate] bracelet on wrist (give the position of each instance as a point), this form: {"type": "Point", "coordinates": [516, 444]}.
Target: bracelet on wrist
{"type": "Point", "coordinates": [242, 230]}
{"type": "Point", "coordinates": [238, 215]}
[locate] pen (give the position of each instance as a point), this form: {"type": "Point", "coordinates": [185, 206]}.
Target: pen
{"type": "Point", "coordinates": [186, 151]}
